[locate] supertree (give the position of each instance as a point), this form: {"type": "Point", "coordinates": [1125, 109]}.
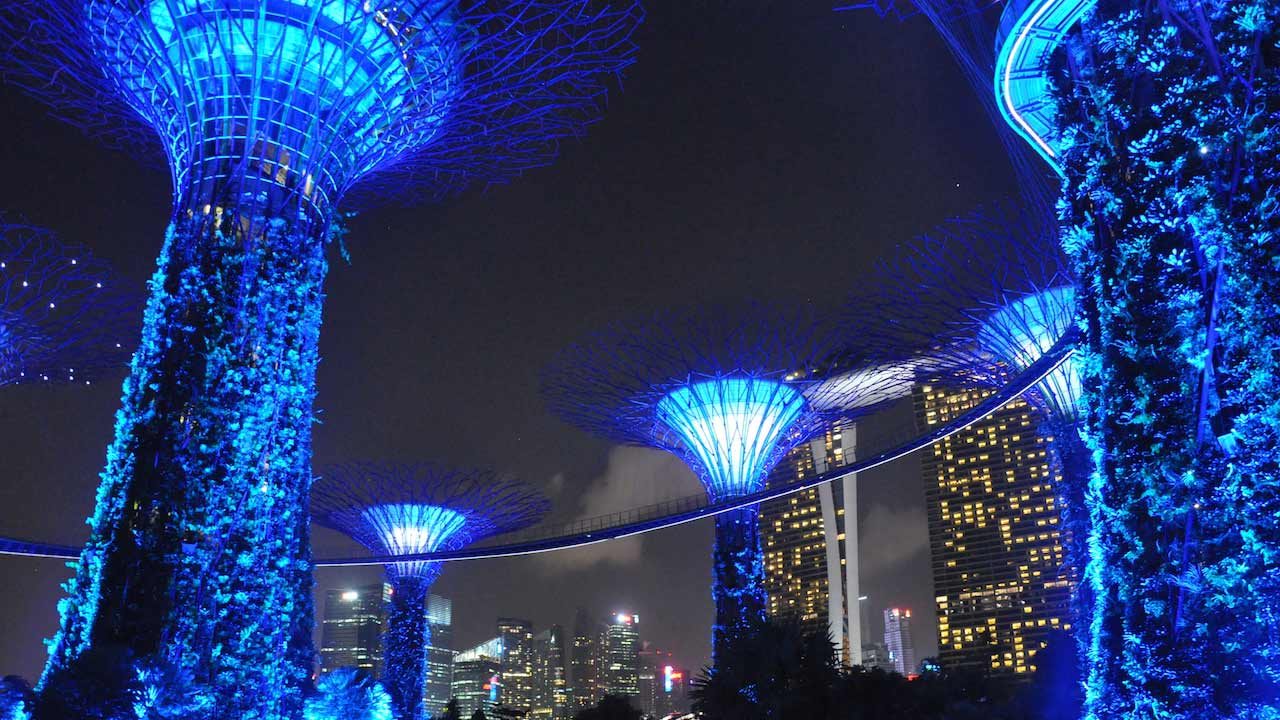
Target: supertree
{"type": "Point", "coordinates": [403, 509]}
{"type": "Point", "coordinates": [977, 301]}
{"type": "Point", "coordinates": [729, 391]}
{"type": "Point", "coordinates": [62, 317]}
{"type": "Point", "coordinates": [270, 113]}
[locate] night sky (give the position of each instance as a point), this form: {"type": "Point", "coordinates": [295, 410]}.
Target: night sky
{"type": "Point", "coordinates": [767, 152]}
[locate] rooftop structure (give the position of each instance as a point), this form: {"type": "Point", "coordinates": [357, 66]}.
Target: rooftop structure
{"type": "Point", "coordinates": [270, 115]}
{"type": "Point", "coordinates": [729, 391]}
{"type": "Point", "coordinates": [404, 509]}
{"type": "Point", "coordinates": [62, 317]}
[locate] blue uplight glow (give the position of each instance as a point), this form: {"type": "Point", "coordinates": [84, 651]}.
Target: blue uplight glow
{"type": "Point", "coordinates": [410, 528]}
{"type": "Point", "coordinates": [350, 84]}
{"type": "Point", "coordinates": [730, 428]}
{"type": "Point", "coordinates": [1022, 331]}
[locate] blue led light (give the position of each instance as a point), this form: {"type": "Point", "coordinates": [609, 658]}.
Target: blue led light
{"type": "Point", "coordinates": [1022, 331]}
{"type": "Point", "coordinates": [350, 84]}
{"type": "Point", "coordinates": [730, 428]}
{"type": "Point", "coordinates": [406, 529]}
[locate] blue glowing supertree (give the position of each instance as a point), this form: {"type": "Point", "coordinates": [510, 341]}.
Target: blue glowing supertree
{"type": "Point", "coordinates": [62, 317]}
{"type": "Point", "coordinates": [728, 390]}
{"type": "Point", "coordinates": [270, 114]}
{"type": "Point", "coordinates": [975, 302]}
{"type": "Point", "coordinates": [401, 509]}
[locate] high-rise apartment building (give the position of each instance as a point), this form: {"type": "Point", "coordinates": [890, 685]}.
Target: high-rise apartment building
{"type": "Point", "coordinates": [439, 654]}
{"type": "Point", "coordinates": [351, 630]}
{"type": "Point", "coordinates": [897, 640]}
{"type": "Point", "coordinates": [517, 663]}
{"type": "Point", "coordinates": [810, 543]}
{"type": "Point", "coordinates": [1000, 575]}
{"type": "Point", "coordinates": [551, 682]}
{"type": "Point", "coordinates": [622, 656]}
{"type": "Point", "coordinates": [477, 677]}
{"type": "Point", "coordinates": [586, 662]}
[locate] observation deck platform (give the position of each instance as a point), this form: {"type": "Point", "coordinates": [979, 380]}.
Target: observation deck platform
{"type": "Point", "coordinates": [1029, 34]}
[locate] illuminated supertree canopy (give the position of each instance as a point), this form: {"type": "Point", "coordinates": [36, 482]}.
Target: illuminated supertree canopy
{"type": "Point", "coordinates": [728, 390]}
{"type": "Point", "coordinates": [62, 317]}
{"type": "Point", "coordinates": [271, 114]}
{"type": "Point", "coordinates": [400, 509]}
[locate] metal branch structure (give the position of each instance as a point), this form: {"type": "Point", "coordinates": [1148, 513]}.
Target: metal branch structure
{"type": "Point", "coordinates": [730, 391]}
{"type": "Point", "coordinates": [271, 115]}
{"type": "Point", "coordinates": [395, 509]}
{"type": "Point", "coordinates": [63, 316]}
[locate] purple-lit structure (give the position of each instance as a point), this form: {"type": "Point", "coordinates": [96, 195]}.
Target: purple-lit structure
{"type": "Point", "coordinates": [62, 317]}
{"type": "Point", "coordinates": [271, 116]}
{"type": "Point", "coordinates": [730, 392]}
{"type": "Point", "coordinates": [417, 508]}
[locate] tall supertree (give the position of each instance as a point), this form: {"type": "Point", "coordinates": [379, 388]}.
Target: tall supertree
{"type": "Point", "coordinates": [63, 318]}
{"type": "Point", "coordinates": [271, 115]}
{"type": "Point", "coordinates": [977, 301]}
{"type": "Point", "coordinates": [403, 509]}
{"type": "Point", "coordinates": [1166, 120]}
{"type": "Point", "coordinates": [728, 390]}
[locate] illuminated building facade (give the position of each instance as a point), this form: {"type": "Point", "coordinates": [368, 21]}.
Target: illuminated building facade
{"type": "Point", "coordinates": [586, 661]}
{"type": "Point", "coordinates": [1001, 578]}
{"type": "Point", "coordinates": [662, 683]}
{"type": "Point", "coordinates": [518, 659]}
{"type": "Point", "coordinates": [551, 681]}
{"type": "Point", "coordinates": [351, 629]}
{"type": "Point", "coordinates": [898, 641]}
{"type": "Point", "coordinates": [622, 656]}
{"type": "Point", "coordinates": [439, 654]}
{"type": "Point", "coordinates": [810, 543]}
{"type": "Point", "coordinates": [477, 677]}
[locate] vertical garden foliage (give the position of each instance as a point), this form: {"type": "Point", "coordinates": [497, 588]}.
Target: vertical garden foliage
{"type": "Point", "coordinates": [738, 583]}
{"type": "Point", "coordinates": [1171, 154]}
{"type": "Point", "coordinates": [198, 558]}
{"type": "Point", "coordinates": [405, 646]}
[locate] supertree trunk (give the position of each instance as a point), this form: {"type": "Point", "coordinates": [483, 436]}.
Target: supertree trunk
{"type": "Point", "coordinates": [199, 556]}
{"type": "Point", "coordinates": [738, 585]}
{"type": "Point", "coordinates": [1170, 212]}
{"type": "Point", "coordinates": [405, 648]}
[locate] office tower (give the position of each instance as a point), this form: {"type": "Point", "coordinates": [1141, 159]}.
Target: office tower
{"type": "Point", "coordinates": [661, 683]}
{"type": "Point", "coordinates": [811, 546]}
{"type": "Point", "coordinates": [876, 656]}
{"type": "Point", "coordinates": [517, 663]}
{"type": "Point", "coordinates": [622, 648]}
{"type": "Point", "coordinates": [551, 687]}
{"type": "Point", "coordinates": [439, 654]}
{"type": "Point", "coordinates": [1001, 581]}
{"type": "Point", "coordinates": [586, 661]}
{"type": "Point", "coordinates": [351, 631]}
{"type": "Point", "coordinates": [897, 639]}
{"type": "Point", "coordinates": [477, 677]}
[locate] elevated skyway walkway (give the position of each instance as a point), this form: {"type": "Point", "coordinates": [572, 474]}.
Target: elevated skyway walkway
{"type": "Point", "coordinates": [589, 531]}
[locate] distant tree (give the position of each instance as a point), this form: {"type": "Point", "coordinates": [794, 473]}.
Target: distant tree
{"type": "Point", "coordinates": [451, 711]}
{"type": "Point", "coordinates": [16, 698]}
{"type": "Point", "coordinates": [611, 707]}
{"type": "Point", "coordinates": [348, 694]}
{"type": "Point", "coordinates": [478, 715]}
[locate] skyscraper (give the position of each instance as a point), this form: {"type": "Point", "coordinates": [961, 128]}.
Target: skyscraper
{"type": "Point", "coordinates": [439, 654]}
{"type": "Point", "coordinates": [551, 687]}
{"type": "Point", "coordinates": [586, 661]}
{"type": "Point", "coordinates": [477, 677]}
{"type": "Point", "coordinates": [351, 631]}
{"type": "Point", "coordinates": [810, 543]}
{"type": "Point", "coordinates": [661, 683]}
{"type": "Point", "coordinates": [1001, 582]}
{"type": "Point", "coordinates": [897, 638]}
{"type": "Point", "coordinates": [517, 663]}
{"type": "Point", "coordinates": [622, 659]}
